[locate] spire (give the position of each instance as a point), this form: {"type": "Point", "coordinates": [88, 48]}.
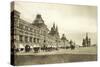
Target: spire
{"type": "Point", "coordinates": [57, 31]}
{"type": "Point", "coordinates": [86, 36]}
{"type": "Point", "coordinates": [63, 37]}
{"type": "Point", "coordinates": [56, 28]}
{"type": "Point", "coordinates": [54, 25]}
{"type": "Point", "coordinates": [38, 16]}
{"type": "Point", "coordinates": [52, 32]}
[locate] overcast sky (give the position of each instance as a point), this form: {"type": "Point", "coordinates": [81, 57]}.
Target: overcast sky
{"type": "Point", "coordinates": [69, 18]}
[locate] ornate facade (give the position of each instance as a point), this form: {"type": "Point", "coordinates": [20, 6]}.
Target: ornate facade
{"type": "Point", "coordinates": [35, 34]}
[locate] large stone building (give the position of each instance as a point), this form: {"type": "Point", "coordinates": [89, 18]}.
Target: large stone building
{"type": "Point", "coordinates": [86, 41]}
{"type": "Point", "coordinates": [35, 34]}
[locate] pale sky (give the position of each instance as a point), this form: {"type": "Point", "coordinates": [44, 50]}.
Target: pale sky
{"type": "Point", "coordinates": [69, 18]}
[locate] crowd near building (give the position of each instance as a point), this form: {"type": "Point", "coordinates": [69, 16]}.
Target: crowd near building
{"type": "Point", "coordinates": [35, 34]}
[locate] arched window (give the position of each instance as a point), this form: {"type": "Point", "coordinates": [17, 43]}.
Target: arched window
{"type": "Point", "coordinates": [34, 40]}
{"type": "Point", "coordinates": [30, 39]}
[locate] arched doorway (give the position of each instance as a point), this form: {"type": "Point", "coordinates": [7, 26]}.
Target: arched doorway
{"type": "Point", "coordinates": [27, 48]}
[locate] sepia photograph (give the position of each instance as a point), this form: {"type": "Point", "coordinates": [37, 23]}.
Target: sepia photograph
{"type": "Point", "coordinates": [49, 33]}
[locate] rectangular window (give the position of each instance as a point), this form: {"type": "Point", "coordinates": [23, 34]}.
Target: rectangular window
{"type": "Point", "coordinates": [26, 39]}
{"type": "Point", "coordinates": [30, 39]}
{"type": "Point", "coordinates": [20, 38]}
{"type": "Point", "coordinates": [37, 40]}
{"type": "Point", "coordinates": [31, 29]}
{"type": "Point", "coordinates": [26, 28]}
{"type": "Point", "coordinates": [34, 40]}
{"type": "Point", "coordinates": [21, 26]}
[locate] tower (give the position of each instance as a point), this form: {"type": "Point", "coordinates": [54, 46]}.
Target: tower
{"type": "Point", "coordinates": [86, 41]}
{"type": "Point", "coordinates": [89, 42]}
{"type": "Point", "coordinates": [54, 26]}
{"type": "Point", "coordinates": [39, 22]}
{"type": "Point", "coordinates": [87, 37]}
{"type": "Point", "coordinates": [63, 37]}
{"type": "Point", "coordinates": [83, 43]}
{"type": "Point", "coordinates": [38, 19]}
{"type": "Point", "coordinates": [57, 30]}
{"type": "Point", "coordinates": [52, 31]}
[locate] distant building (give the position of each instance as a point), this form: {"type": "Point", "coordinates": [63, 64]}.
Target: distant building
{"type": "Point", "coordinates": [64, 41]}
{"type": "Point", "coordinates": [35, 34]}
{"type": "Point", "coordinates": [86, 41]}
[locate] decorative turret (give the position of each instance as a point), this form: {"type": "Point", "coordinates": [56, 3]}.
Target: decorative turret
{"type": "Point", "coordinates": [57, 29]}
{"type": "Point", "coordinates": [54, 26]}
{"type": "Point", "coordinates": [86, 41]}
{"type": "Point", "coordinates": [87, 37]}
{"type": "Point", "coordinates": [83, 43]}
{"type": "Point", "coordinates": [38, 19]}
{"type": "Point", "coordinates": [54, 31]}
{"type": "Point", "coordinates": [63, 37]}
{"type": "Point", "coordinates": [89, 42]}
{"type": "Point", "coordinates": [39, 22]}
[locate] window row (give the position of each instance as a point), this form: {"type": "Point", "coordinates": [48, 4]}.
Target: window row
{"type": "Point", "coordinates": [37, 31]}
{"type": "Point", "coordinates": [28, 39]}
{"type": "Point", "coordinates": [21, 26]}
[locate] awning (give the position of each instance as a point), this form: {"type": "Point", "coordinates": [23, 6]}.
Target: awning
{"type": "Point", "coordinates": [31, 46]}
{"type": "Point", "coordinates": [17, 45]}
{"type": "Point", "coordinates": [49, 45]}
{"type": "Point", "coordinates": [54, 46]}
{"type": "Point", "coordinates": [36, 45]}
{"type": "Point", "coordinates": [59, 45]}
{"type": "Point", "coordinates": [21, 46]}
